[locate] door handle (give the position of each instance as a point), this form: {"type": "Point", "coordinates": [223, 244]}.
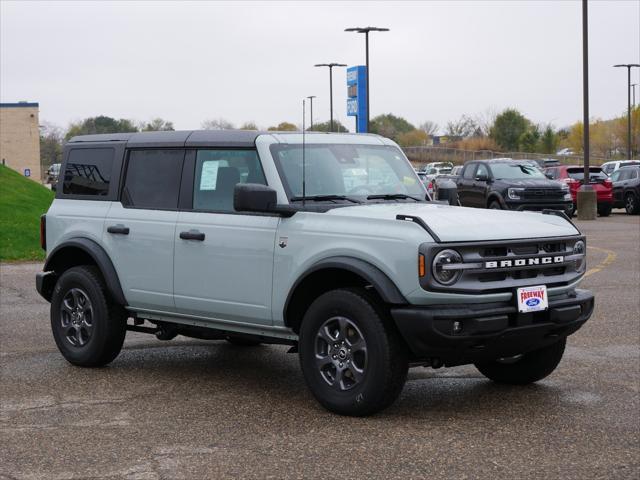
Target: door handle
{"type": "Point", "coordinates": [192, 235]}
{"type": "Point", "coordinates": [118, 229]}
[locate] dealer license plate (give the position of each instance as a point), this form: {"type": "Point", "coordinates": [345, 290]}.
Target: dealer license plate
{"type": "Point", "coordinates": [532, 299]}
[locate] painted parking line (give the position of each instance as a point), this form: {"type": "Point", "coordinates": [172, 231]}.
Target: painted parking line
{"type": "Point", "coordinates": [611, 257]}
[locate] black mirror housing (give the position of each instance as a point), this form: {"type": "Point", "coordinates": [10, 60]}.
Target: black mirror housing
{"type": "Point", "coordinates": [255, 197]}
{"type": "Point", "coordinates": [482, 178]}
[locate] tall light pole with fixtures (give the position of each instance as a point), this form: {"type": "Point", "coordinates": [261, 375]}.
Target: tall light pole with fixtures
{"type": "Point", "coordinates": [311, 97]}
{"type": "Point", "coordinates": [330, 65]}
{"type": "Point", "coordinates": [366, 31]}
{"type": "Point", "coordinates": [634, 85]}
{"type": "Point", "coordinates": [628, 66]}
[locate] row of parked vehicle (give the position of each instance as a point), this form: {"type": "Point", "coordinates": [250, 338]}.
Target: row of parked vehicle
{"type": "Point", "coordinates": [507, 184]}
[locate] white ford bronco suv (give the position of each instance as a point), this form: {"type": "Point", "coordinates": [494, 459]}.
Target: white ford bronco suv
{"type": "Point", "coordinates": [325, 242]}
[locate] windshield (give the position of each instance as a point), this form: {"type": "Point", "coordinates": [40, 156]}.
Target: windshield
{"type": "Point", "coordinates": [516, 171]}
{"type": "Point", "coordinates": [357, 171]}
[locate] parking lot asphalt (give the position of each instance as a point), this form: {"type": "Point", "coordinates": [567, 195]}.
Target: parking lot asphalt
{"type": "Point", "coordinates": [196, 409]}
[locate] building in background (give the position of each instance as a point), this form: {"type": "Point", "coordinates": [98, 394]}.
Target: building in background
{"type": "Point", "coordinates": [20, 138]}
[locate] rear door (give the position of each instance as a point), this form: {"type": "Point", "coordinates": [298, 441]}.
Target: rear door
{"type": "Point", "coordinates": [223, 258]}
{"type": "Point", "coordinates": [617, 178]}
{"type": "Point", "coordinates": [465, 182]}
{"type": "Point", "coordinates": [139, 229]}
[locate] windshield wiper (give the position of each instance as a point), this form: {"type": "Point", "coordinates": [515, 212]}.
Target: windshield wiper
{"type": "Point", "coordinates": [392, 196]}
{"type": "Point", "coordinates": [323, 198]}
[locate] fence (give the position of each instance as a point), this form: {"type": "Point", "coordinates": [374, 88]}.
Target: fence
{"type": "Point", "coordinates": [426, 154]}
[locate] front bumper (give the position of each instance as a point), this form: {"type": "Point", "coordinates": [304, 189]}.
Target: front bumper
{"type": "Point", "coordinates": [563, 205]}
{"type": "Point", "coordinates": [45, 282]}
{"type": "Point", "coordinates": [488, 331]}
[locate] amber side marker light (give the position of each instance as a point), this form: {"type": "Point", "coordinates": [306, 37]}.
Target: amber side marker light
{"type": "Point", "coordinates": [421, 270]}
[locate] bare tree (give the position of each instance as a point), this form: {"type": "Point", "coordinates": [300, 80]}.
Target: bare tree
{"type": "Point", "coordinates": [157, 125]}
{"type": "Point", "coordinates": [217, 124]}
{"type": "Point", "coordinates": [250, 125]}
{"type": "Point", "coordinates": [464, 127]}
{"type": "Point", "coordinates": [429, 127]}
{"type": "Point", "coordinates": [485, 121]}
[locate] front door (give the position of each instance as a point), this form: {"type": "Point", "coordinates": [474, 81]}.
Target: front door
{"type": "Point", "coordinates": [224, 259]}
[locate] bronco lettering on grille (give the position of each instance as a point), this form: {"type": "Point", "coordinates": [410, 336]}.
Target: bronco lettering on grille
{"type": "Point", "coordinates": [524, 262]}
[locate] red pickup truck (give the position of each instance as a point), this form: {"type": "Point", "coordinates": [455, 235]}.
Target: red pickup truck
{"type": "Point", "coordinates": [574, 177]}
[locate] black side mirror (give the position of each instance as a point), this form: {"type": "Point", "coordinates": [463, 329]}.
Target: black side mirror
{"type": "Point", "coordinates": [482, 177]}
{"type": "Point", "coordinates": [254, 197]}
{"type": "Point", "coordinates": [549, 176]}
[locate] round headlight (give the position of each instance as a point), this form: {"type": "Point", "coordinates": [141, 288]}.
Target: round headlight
{"type": "Point", "coordinates": [444, 275]}
{"type": "Point", "coordinates": [579, 248]}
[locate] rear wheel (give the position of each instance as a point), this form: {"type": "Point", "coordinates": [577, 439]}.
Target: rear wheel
{"type": "Point", "coordinates": [604, 210]}
{"type": "Point", "coordinates": [352, 358]}
{"type": "Point", "coordinates": [87, 327]}
{"type": "Point", "coordinates": [631, 204]}
{"type": "Point", "coordinates": [528, 368]}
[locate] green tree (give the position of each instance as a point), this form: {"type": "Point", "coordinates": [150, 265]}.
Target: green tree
{"type": "Point", "coordinates": [325, 127]}
{"type": "Point", "coordinates": [158, 125]}
{"type": "Point", "coordinates": [100, 124]}
{"type": "Point", "coordinates": [549, 140]}
{"type": "Point", "coordinates": [388, 125]}
{"type": "Point", "coordinates": [283, 127]}
{"type": "Point", "coordinates": [508, 128]}
{"type": "Point", "coordinates": [529, 140]}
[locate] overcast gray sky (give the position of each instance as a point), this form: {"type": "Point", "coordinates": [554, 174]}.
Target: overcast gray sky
{"type": "Point", "coordinates": [187, 62]}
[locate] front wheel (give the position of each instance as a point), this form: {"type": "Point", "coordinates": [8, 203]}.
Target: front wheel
{"type": "Point", "coordinates": [87, 327]}
{"type": "Point", "coordinates": [495, 205]}
{"type": "Point", "coordinates": [528, 368]}
{"type": "Point", "coordinates": [631, 204]}
{"type": "Point", "coordinates": [352, 358]}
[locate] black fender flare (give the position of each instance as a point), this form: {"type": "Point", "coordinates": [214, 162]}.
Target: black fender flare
{"type": "Point", "coordinates": [99, 256]}
{"type": "Point", "coordinates": [382, 284]}
{"type": "Point", "coordinates": [499, 198]}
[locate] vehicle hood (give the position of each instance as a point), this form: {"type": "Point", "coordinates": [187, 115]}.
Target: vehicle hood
{"type": "Point", "coordinates": [530, 183]}
{"type": "Point", "coordinates": [461, 224]}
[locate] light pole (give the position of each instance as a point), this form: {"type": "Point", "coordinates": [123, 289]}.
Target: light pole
{"type": "Point", "coordinates": [311, 97]}
{"type": "Point", "coordinates": [330, 65]}
{"type": "Point", "coordinates": [366, 31]}
{"type": "Point", "coordinates": [628, 66]}
{"type": "Point", "coordinates": [634, 85]}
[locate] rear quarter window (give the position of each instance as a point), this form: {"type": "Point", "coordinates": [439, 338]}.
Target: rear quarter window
{"type": "Point", "coordinates": [88, 171]}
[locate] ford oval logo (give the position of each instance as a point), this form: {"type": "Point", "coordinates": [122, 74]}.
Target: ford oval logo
{"type": "Point", "coordinates": [532, 302]}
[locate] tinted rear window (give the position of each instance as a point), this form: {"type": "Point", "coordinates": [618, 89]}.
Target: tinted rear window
{"type": "Point", "coordinates": [88, 171]}
{"type": "Point", "coordinates": [153, 179]}
{"type": "Point", "coordinates": [594, 173]}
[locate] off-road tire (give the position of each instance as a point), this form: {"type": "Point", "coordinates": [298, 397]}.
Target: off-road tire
{"type": "Point", "coordinates": [386, 353]}
{"type": "Point", "coordinates": [109, 321]}
{"type": "Point", "coordinates": [533, 366]}
{"type": "Point", "coordinates": [495, 205]}
{"type": "Point", "coordinates": [631, 204]}
{"type": "Point", "coordinates": [604, 210]}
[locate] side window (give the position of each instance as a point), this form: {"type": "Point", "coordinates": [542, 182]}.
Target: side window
{"type": "Point", "coordinates": [468, 171]}
{"type": "Point", "coordinates": [88, 171]}
{"type": "Point", "coordinates": [554, 172]}
{"type": "Point", "coordinates": [217, 174]}
{"type": "Point", "coordinates": [625, 174]}
{"type": "Point", "coordinates": [633, 175]}
{"type": "Point", "coordinates": [615, 176]}
{"type": "Point", "coordinates": [153, 179]}
{"type": "Point", "coordinates": [482, 170]}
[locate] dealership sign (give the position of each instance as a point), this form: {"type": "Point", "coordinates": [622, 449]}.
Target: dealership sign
{"type": "Point", "coordinates": [357, 96]}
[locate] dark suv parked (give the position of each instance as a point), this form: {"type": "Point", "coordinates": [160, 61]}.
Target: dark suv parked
{"type": "Point", "coordinates": [626, 189]}
{"type": "Point", "coordinates": [510, 184]}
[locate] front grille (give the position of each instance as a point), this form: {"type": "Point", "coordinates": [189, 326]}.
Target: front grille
{"type": "Point", "coordinates": [515, 264]}
{"type": "Point", "coordinates": [543, 193]}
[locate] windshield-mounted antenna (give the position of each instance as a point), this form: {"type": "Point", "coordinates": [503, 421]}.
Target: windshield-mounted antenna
{"type": "Point", "coordinates": [304, 172]}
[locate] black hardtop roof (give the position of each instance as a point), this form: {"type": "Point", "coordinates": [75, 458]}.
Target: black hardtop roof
{"type": "Point", "coordinates": [186, 138]}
